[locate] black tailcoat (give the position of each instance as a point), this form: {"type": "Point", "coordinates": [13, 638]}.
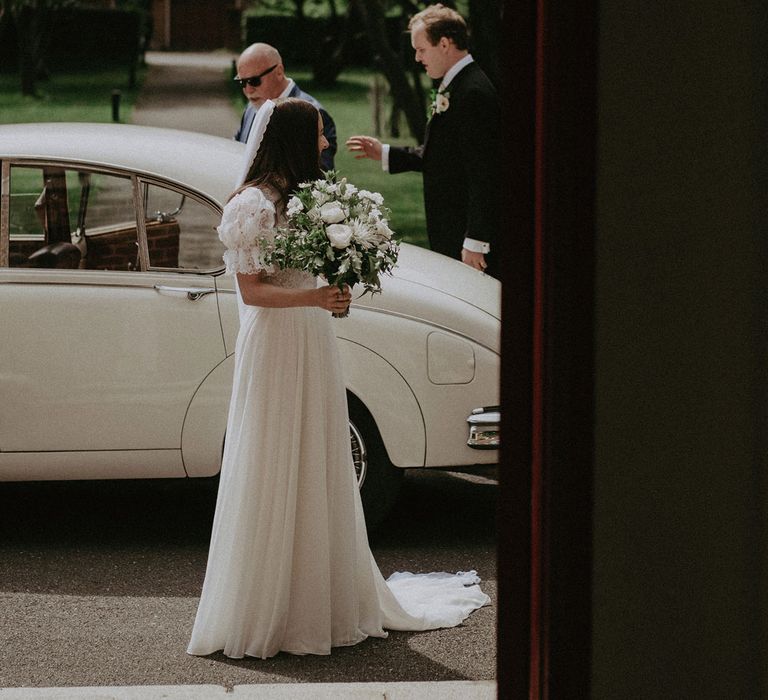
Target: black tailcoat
{"type": "Point", "coordinates": [460, 163]}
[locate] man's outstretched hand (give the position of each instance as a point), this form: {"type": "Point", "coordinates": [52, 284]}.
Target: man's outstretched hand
{"type": "Point", "coordinates": [364, 147]}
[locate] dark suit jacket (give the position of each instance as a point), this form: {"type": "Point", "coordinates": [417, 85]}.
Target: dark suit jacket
{"type": "Point", "coordinates": [329, 128]}
{"type": "Point", "coordinates": [461, 165]}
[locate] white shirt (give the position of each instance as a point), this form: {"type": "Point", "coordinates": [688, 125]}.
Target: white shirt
{"type": "Point", "coordinates": [469, 243]}
{"type": "Point", "coordinates": [288, 89]}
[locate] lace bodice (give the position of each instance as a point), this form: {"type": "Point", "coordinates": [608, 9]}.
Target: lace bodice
{"type": "Point", "coordinates": [249, 217]}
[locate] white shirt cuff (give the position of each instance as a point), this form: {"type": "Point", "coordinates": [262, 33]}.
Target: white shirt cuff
{"type": "Point", "coordinates": [477, 246]}
{"type": "Point", "coordinates": [385, 157]}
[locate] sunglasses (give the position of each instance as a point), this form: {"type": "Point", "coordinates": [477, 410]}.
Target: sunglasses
{"type": "Point", "coordinates": [255, 80]}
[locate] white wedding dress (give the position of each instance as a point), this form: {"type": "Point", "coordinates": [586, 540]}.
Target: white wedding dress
{"type": "Point", "coordinates": [289, 567]}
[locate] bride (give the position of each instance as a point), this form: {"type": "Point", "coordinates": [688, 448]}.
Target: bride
{"type": "Point", "coordinates": [289, 567]}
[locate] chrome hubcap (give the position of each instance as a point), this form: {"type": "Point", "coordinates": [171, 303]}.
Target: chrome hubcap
{"type": "Point", "coordinates": [359, 454]}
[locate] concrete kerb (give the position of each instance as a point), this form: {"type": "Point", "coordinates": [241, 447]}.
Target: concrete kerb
{"type": "Point", "coordinates": [438, 690]}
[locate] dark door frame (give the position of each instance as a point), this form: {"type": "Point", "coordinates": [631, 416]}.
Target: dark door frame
{"type": "Point", "coordinates": [549, 103]}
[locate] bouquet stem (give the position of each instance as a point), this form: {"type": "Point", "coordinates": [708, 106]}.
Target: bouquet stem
{"type": "Point", "coordinates": [340, 284]}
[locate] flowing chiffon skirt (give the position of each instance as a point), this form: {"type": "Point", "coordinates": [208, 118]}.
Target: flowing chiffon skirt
{"type": "Point", "coordinates": [289, 567]}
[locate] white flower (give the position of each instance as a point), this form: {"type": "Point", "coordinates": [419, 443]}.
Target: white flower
{"type": "Point", "coordinates": [320, 197]}
{"type": "Point", "coordinates": [357, 260]}
{"type": "Point", "coordinates": [332, 213]}
{"type": "Point", "coordinates": [383, 230]}
{"type": "Point", "coordinates": [340, 235]}
{"type": "Point", "coordinates": [363, 233]}
{"type": "Point", "coordinates": [294, 206]}
{"type": "Point", "coordinates": [442, 102]}
{"type": "Point", "coordinates": [374, 197]}
{"type": "Point", "coordinates": [314, 214]}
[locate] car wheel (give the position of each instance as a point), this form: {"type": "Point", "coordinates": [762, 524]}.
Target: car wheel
{"type": "Point", "coordinates": [378, 479]}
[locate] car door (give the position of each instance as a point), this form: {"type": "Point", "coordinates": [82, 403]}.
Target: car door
{"type": "Point", "coordinates": [110, 321]}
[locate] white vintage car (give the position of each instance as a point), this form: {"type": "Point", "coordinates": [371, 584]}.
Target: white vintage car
{"type": "Point", "coordinates": [119, 324]}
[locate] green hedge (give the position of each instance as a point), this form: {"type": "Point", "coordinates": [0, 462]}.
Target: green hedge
{"type": "Point", "coordinates": [303, 43]}
{"type": "Point", "coordinates": [81, 38]}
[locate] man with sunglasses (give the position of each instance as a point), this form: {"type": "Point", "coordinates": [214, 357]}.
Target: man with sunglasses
{"type": "Point", "coordinates": [261, 75]}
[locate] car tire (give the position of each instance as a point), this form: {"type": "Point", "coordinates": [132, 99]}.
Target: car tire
{"type": "Point", "coordinates": [379, 480]}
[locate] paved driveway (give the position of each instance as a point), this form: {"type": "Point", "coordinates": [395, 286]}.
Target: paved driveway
{"type": "Point", "coordinates": [99, 585]}
{"type": "Point", "coordinates": [188, 91]}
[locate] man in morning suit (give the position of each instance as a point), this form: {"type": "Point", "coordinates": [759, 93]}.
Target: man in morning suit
{"type": "Point", "coordinates": [261, 74]}
{"type": "Point", "coordinates": [460, 159]}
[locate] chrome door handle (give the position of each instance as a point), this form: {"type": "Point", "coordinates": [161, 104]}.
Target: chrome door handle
{"type": "Point", "coordinates": [193, 293]}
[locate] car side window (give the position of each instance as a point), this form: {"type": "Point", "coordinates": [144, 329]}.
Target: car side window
{"type": "Point", "coordinates": [181, 230]}
{"type": "Point", "coordinates": [70, 218]}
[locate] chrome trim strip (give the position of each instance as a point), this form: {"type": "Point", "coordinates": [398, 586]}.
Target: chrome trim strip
{"type": "Point", "coordinates": [5, 213]}
{"type": "Point", "coordinates": [491, 417]}
{"type": "Point", "coordinates": [193, 293]}
{"type": "Point", "coordinates": [127, 279]}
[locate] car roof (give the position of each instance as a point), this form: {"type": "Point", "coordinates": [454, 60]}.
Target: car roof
{"type": "Point", "coordinates": [204, 163]}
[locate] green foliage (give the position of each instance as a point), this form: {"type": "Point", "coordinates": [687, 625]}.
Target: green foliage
{"type": "Point", "coordinates": [310, 8]}
{"type": "Point", "coordinates": [68, 97]}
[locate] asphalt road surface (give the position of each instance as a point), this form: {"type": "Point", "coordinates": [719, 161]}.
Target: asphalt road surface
{"type": "Point", "coordinates": [99, 585]}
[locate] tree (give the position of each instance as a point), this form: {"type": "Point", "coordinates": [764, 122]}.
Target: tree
{"type": "Point", "coordinates": [403, 74]}
{"type": "Point", "coordinates": [406, 95]}
{"type": "Point", "coordinates": [32, 19]}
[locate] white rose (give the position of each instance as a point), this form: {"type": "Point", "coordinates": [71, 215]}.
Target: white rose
{"type": "Point", "coordinates": [332, 213]}
{"type": "Point", "coordinates": [340, 235]}
{"type": "Point", "coordinates": [383, 230]}
{"type": "Point", "coordinates": [374, 197]}
{"type": "Point", "coordinates": [441, 103]}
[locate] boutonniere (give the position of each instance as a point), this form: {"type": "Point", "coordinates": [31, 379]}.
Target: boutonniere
{"type": "Point", "coordinates": [441, 101]}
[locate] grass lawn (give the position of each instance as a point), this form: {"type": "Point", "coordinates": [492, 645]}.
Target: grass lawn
{"type": "Point", "coordinates": [68, 97]}
{"type": "Point", "coordinates": [349, 104]}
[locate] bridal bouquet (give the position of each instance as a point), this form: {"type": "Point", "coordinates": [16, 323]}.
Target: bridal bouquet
{"type": "Point", "coordinates": [337, 231]}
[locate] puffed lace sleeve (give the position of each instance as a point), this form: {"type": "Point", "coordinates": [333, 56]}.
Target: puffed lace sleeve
{"type": "Point", "coordinates": [248, 217]}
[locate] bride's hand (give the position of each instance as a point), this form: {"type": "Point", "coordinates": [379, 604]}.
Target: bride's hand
{"type": "Point", "coordinates": [331, 299]}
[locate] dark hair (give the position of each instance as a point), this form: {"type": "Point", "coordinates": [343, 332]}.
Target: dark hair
{"type": "Point", "coordinates": [440, 21]}
{"type": "Point", "coordinates": [289, 151]}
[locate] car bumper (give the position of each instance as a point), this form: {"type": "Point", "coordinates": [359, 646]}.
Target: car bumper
{"type": "Point", "coordinates": [484, 428]}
